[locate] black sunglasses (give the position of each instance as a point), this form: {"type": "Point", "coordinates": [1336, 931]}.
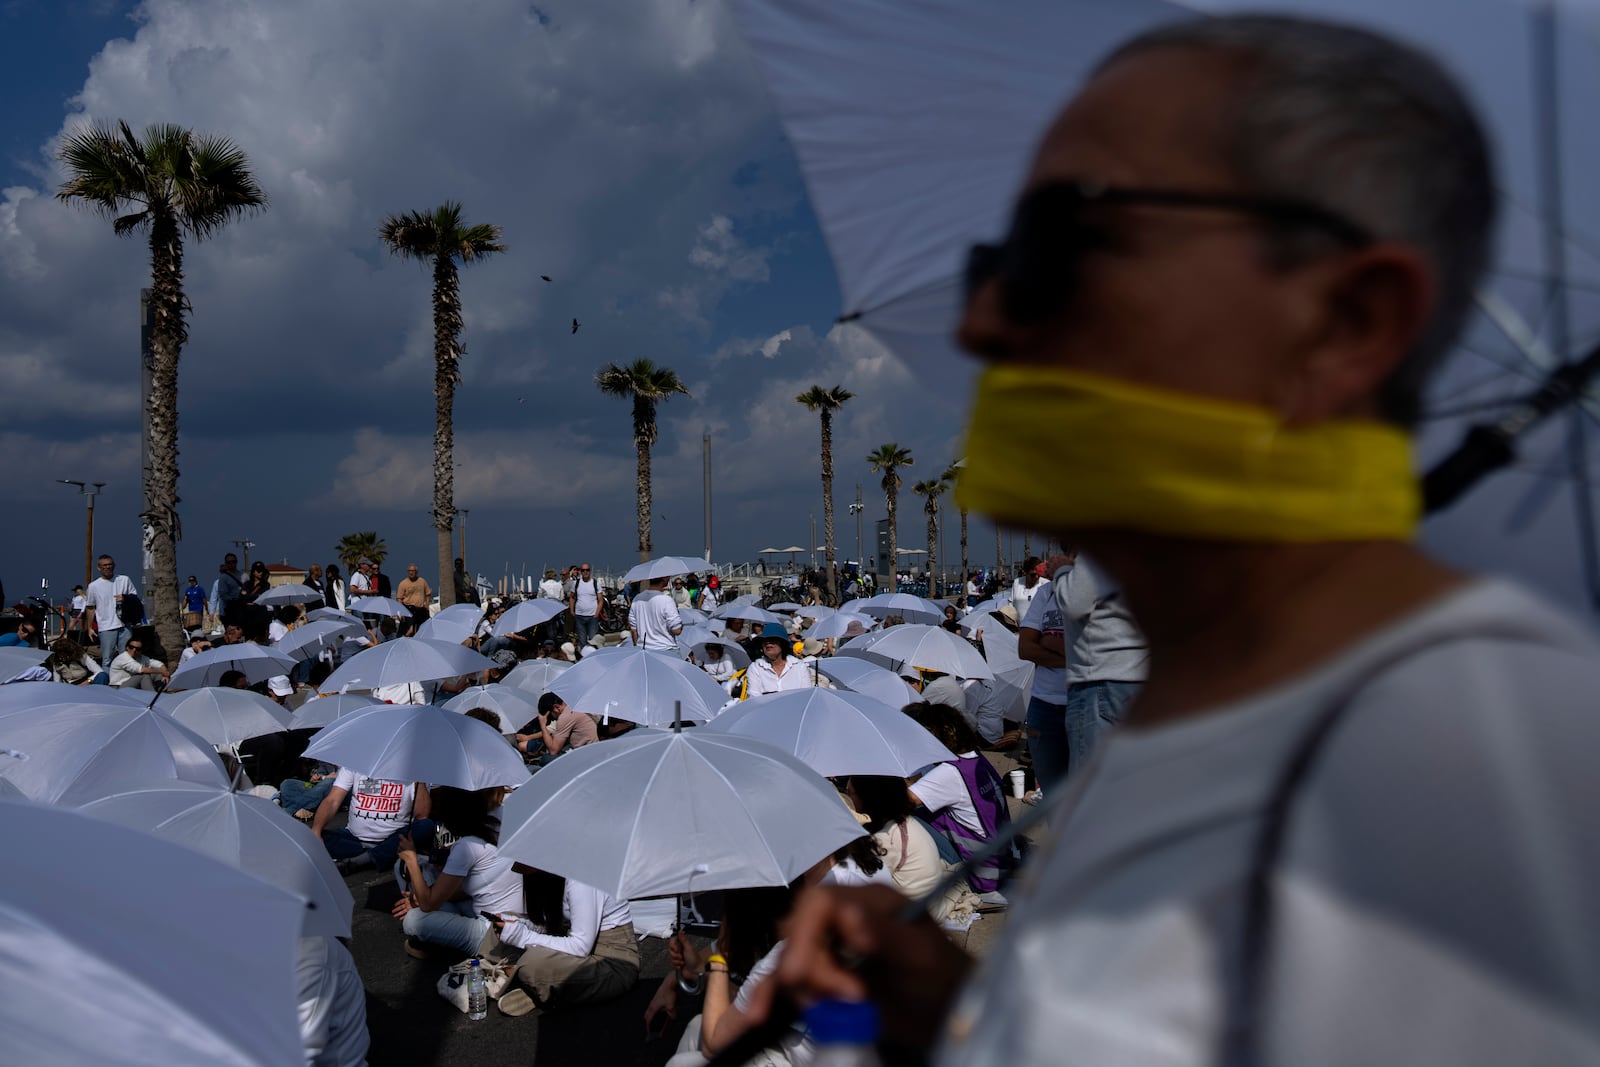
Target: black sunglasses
{"type": "Point", "coordinates": [1037, 263]}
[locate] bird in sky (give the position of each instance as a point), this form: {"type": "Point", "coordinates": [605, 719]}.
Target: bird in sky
{"type": "Point", "coordinates": [544, 277]}
{"type": "Point", "coordinates": [574, 325]}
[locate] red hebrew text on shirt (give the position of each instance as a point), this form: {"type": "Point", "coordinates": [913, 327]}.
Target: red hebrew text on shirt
{"type": "Point", "coordinates": [376, 798]}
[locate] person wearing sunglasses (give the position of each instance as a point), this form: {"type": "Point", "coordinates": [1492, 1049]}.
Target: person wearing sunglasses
{"type": "Point", "coordinates": [1351, 816]}
{"type": "Point", "coordinates": [132, 669]}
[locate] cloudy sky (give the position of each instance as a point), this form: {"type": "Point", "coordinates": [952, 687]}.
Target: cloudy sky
{"type": "Point", "coordinates": [629, 151]}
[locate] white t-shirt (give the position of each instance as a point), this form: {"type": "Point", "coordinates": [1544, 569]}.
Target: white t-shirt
{"type": "Point", "coordinates": [276, 631]}
{"type": "Point", "coordinates": [550, 589]}
{"type": "Point", "coordinates": [79, 602]}
{"type": "Point", "coordinates": [1022, 595]}
{"type": "Point", "coordinates": [654, 616]}
{"type": "Point", "coordinates": [845, 872]}
{"type": "Point", "coordinates": [1103, 642]}
{"type": "Point", "coordinates": [102, 596]}
{"type": "Point", "coordinates": [588, 909]}
{"type": "Point", "coordinates": [360, 585]}
{"type": "Point", "coordinates": [1049, 683]}
{"type": "Point", "coordinates": [941, 786]}
{"type": "Point", "coordinates": [763, 679]}
{"type": "Point", "coordinates": [914, 863]}
{"type": "Point", "coordinates": [333, 1005]}
{"type": "Point", "coordinates": [1434, 902]}
{"type": "Point", "coordinates": [486, 876]}
{"type": "Point", "coordinates": [708, 598]}
{"type": "Point", "coordinates": [586, 597]}
{"type": "Point", "coordinates": [126, 668]}
{"type": "Point", "coordinates": [378, 807]}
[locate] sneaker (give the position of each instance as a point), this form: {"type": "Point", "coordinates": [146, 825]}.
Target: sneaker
{"type": "Point", "coordinates": [351, 864]}
{"type": "Point", "coordinates": [516, 1002]}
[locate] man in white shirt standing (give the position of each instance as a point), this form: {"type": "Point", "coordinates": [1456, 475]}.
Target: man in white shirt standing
{"type": "Point", "coordinates": [104, 609]}
{"type": "Point", "coordinates": [1026, 585]}
{"type": "Point", "coordinates": [361, 580]}
{"type": "Point", "coordinates": [653, 618]}
{"type": "Point", "coordinates": [1041, 640]}
{"type": "Point", "coordinates": [584, 604]}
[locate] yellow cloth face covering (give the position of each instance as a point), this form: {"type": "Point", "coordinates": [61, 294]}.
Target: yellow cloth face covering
{"type": "Point", "coordinates": [1053, 449]}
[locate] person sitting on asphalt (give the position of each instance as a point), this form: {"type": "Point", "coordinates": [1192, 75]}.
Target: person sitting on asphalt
{"type": "Point", "coordinates": [71, 664]}
{"type": "Point", "coordinates": [132, 669]}
{"type": "Point", "coordinates": [964, 798]}
{"type": "Point", "coordinates": [557, 728]}
{"type": "Point", "coordinates": [475, 878]}
{"type": "Point", "coordinates": [381, 812]}
{"type": "Point", "coordinates": [776, 670]}
{"type": "Point", "coordinates": [569, 944]}
{"type": "Point", "coordinates": [910, 853]}
{"type": "Point", "coordinates": [718, 664]}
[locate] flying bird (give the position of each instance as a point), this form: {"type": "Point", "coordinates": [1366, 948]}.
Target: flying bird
{"type": "Point", "coordinates": [544, 277]}
{"type": "Point", "coordinates": [574, 325]}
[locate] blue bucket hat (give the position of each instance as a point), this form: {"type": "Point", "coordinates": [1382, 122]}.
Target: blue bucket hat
{"type": "Point", "coordinates": [775, 631]}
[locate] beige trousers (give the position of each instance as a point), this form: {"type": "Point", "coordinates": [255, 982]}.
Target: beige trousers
{"type": "Point", "coordinates": [609, 971]}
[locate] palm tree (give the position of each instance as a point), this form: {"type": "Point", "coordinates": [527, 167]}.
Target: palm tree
{"type": "Point", "coordinates": [951, 476]}
{"type": "Point", "coordinates": [826, 402]}
{"type": "Point", "coordinates": [930, 490]}
{"type": "Point", "coordinates": [646, 385]}
{"type": "Point", "coordinates": [440, 237]}
{"type": "Point", "coordinates": [364, 544]}
{"type": "Point", "coordinates": [888, 459]}
{"type": "Point", "coordinates": [170, 182]}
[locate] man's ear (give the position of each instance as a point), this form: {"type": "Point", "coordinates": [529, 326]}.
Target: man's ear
{"type": "Point", "coordinates": [1376, 304]}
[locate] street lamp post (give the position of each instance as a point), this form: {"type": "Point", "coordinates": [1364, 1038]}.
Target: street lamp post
{"type": "Point", "coordinates": [89, 490]}
{"type": "Point", "coordinates": [244, 544]}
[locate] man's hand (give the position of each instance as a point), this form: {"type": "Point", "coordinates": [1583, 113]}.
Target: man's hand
{"type": "Point", "coordinates": [665, 1001]}
{"type": "Point", "coordinates": [406, 902]}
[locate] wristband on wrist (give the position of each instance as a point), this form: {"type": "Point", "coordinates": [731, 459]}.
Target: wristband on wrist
{"type": "Point", "coordinates": [717, 957]}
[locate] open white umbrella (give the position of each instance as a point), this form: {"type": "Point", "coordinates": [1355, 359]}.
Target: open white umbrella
{"type": "Point", "coordinates": [326, 710]}
{"type": "Point", "coordinates": [693, 617]}
{"type": "Point", "coordinates": [838, 625]}
{"type": "Point", "coordinates": [665, 567]}
{"type": "Point", "coordinates": [248, 832]}
{"type": "Point", "coordinates": [380, 605]}
{"type": "Point", "coordinates": [814, 611]}
{"type": "Point", "coordinates": [748, 612]}
{"type": "Point", "coordinates": [256, 662]}
{"type": "Point", "coordinates": [695, 639]}
{"type": "Point", "coordinates": [454, 624]}
{"type": "Point", "coordinates": [1008, 693]}
{"type": "Point", "coordinates": [863, 676]}
{"type": "Point", "coordinates": [44, 694]}
{"type": "Point", "coordinates": [79, 751]}
{"type": "Point", "coordinates": [14, 659]}
{"type": "Point", "coordinates": [308, 641]}
{"type": "Point", "coordinates": [225, 716]}
{"type": "Point", "coordinates": [420, 743]}
{"type": "Point", "coordinates": [130, 969]}
{"type": "Point", "coordinates": [513, 706]}
{"type": "Point", "coordinates": [785, 607]}
{"type": "Point", "coordinates": [536, 675]}
{"type": "Point", "coordinates": [642, 686]}
{"type": "Point", "coordinates": [908, 607]}
{"type": "Point", "coordinates": [526, 615]}
{"type": "Point", "coordinates": [335, 614]}
{"type": "Point", "coordinates": [931, 648]}
{"type": "Point", "coordinates": [835, 732]}
{"type": "Point", "coordinates": [658, 812]}
{"type": "Point", "coordinates": [293, 593]}
{"type": "Point", "coordinates": [403, 660]}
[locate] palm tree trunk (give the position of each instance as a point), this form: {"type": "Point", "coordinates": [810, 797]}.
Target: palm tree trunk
{"type": "Point", "coordinates": [827, 505]}
{"type": "Point", "coordinates": [161, 525]}
{"type": "Point", "coordinates": [933, 533]}
{"type": "Point", "coordinates": [965, 568]}
{"type": "Point", "coordinates": [446, 360]}
{"type": "Point", "coordinates": [643, 431]}
{"type": "Point", "coordinates": [894, 546]}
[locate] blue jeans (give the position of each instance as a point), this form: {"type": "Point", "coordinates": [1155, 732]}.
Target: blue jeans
{"type": "Point", "coordinates": [1093, 708]}
{"type": "Point", "coordinates": [294, 794]}
{"type": "Point", "coordinates": [112, 642]}
{"type": "Point", "coordinates": [588, 627]}
{"type": "Point", "coordinates": [455, 924]}
{"type": "Point", "coordinates": [342, 844]}
{"type": "Point", "coordinates": [1047, 742]}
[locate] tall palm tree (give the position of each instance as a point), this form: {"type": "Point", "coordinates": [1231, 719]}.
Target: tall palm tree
{"type": "Point", "coordinates": [951, 476]}
{"type": "Point", "coordinates": [172, 183]}
{"type": "Point", "coordinates": [646, 385]}
{"type": "Point", "coordinates": [930, 490]}
{"type": "Point", "coordinates": [363, 544]}
{"type": "Point", "coordinates": [888, 459]}
{"type": "Point", "coordinates": [441, 238]}
{"type": "Point", "coordinates": [826, 402]}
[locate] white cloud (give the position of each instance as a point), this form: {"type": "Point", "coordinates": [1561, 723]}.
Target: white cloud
{"type": "Point", "coordinates": [719, 250]}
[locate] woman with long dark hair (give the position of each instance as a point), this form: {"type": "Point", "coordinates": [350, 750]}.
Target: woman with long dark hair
{"type": "Point", "coordinates": [910, 854]}
{"type": "Point", "coordinates": [256, 583]}
{"type": "Point", "coordinates": [475, 878]}
{"type": "Point", "coordinates": [964, 797]}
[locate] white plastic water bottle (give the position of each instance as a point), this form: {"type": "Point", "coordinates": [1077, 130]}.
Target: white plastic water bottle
{"type": "Point", "coordinates": [844, 1032]}
{"type": "Point", "coordinates": [477, 991]}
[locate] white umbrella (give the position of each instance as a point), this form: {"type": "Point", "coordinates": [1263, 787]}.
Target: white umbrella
{"type": "Point", "coordinates": [908, 607]}
{"type": "Point", "coordinates": [748, 612]}
{"type": "Point", "coordinates": [45, 694]}
{"type": "Point", "coordinates": [665, 567]}
{"type": "Point", "coordinates": [932, 648]}
{"type": "Point", "coordinates": [380, 605]}
{"type": "Point", "coordinates": [75, 752]}
{"type": "Point", "coordinates": [696, 638]}
{"type": "Point", "coordinates": [405, 659]}
{"type": "Point", "coordinates": [863, 676]}
{"type": "Point", "coordinates": [308, 641]}
{"type": "Point", "coordinates": [336, 615]}
{"type": "Point", "coordinates": [256, 662]}
{"type": "Point", "coordinates": [511, 705]}
{"type": "Point", "coordinates": [14, 659]}
{"type": "Point", "coordinates": [454, 624]}
{"type": "Point", "coordinates": [838, 625]}
{"type": "Point", "coordinates": [640, 685]}
{"type": "Point", "coordinates": [748, 598]}
{"type": "Point", "coordinates": [326, 710]}
{"type": "Point", "coordinates": [693, 617]}
{"type": "Point", "coordinates": [110, 950]}
{"type": "Point", "coordinates": [225, 716]}
{"type": "Point", "coordinates": [992, 606]}
{"type": "Point", "coordinates": [420, 743]}
{"type": "Point", "coordinates": [835, 732]}
{"type": "Point", "coordinates": [536, 675]}
{"type": "Point", "coordinates": [248, 832]}
{"type": "Point", "coordinates": [526, 615]}
{"type": "Point", "coordinates": [814, 611]}
{"type": "Point", "coordinates": [293, 593]}
{"type": "Point", "coordinates": [786, 607]}
{"type": "Point", "coordinates": [659, 812]}
{"type": "Point", "coordinates": [1013, 675]}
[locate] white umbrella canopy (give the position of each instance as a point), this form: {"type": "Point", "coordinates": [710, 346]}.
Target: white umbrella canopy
{"type": "Point", "coordinates": [665, 567]}
{"type": "Point", "coordinates": [835, 732]}
{"type": "Point", "coordinates": [326, 710]}
{"type": "Point", "coordinates": [513, 706]}
{"type": "Point", "coordinates": [420, 743]}
{"type": "Point", "coordinates": [165, 987]}
{"type": "Point", "coordinates": [293, 593]}
{"type": "Point", "coordinates": [640, 685]}
{"type": "Point", "coordinates": [660, 812]}
{"type": "Point", "coordinates": [44, 694]}
{"type": "Point", "coordinates": [536, 675]}
{"type": "Point", "coordinates": [336, 615]}
{"type": "Point", "coordinates": [77, 752]}
{"type": "Point", "coordinates": [695, 639]}
{"type": "Point", "coordinates": [991, 606]}
{"type": "Point", "coordinates": [693, 617]}
{"type": "Point", "coordinates": [225, 716]}
{"type": "Point", "coordinates": [454, 624]}
{"type": "Point", "coordinates": [908, 607]}
{"type": "Point", "coordinates": [308, 641]}
{"type": "Point", "coordinates": [864, 676]}
{"type": "Point", "coordinates": [838, 625]}
{"type": "Point", "coordinates": [814, 611]}
{"type": "Point", "coordinates": [931, 648]}
{"type": "Point", "coordinates": [14, 659]}
{"type": "Point", "coordinates": [748, 612]}
{"type": "Point", "coordinates": [785, 607]}
{"type": "Point", "coordinates": [380, 605]}
{"type": "Point", "coordinates": [1013, 675]}
{"type": "Point", "coordinates": [256, 662]}
{"type": "Point", "coordinates": [526, 615]}
{"type": "Point", "coordinates": [405, 659]}
{"type": "Point", "coordinates": [248, 832]}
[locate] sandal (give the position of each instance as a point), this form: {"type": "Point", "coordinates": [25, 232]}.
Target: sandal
{"type": "Point", "coordinates": [516, 1002]}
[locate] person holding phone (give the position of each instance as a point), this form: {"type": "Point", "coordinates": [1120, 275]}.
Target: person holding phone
{"type": "Point", "coordinates": [475, 878]}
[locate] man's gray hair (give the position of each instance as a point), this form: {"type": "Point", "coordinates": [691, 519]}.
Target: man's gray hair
{"type": "Point", "coordinates": [1369, 128]}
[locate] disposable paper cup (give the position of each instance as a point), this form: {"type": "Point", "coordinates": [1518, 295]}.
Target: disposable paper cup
{"type": "Point", "coordinates": [1019, 786]}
